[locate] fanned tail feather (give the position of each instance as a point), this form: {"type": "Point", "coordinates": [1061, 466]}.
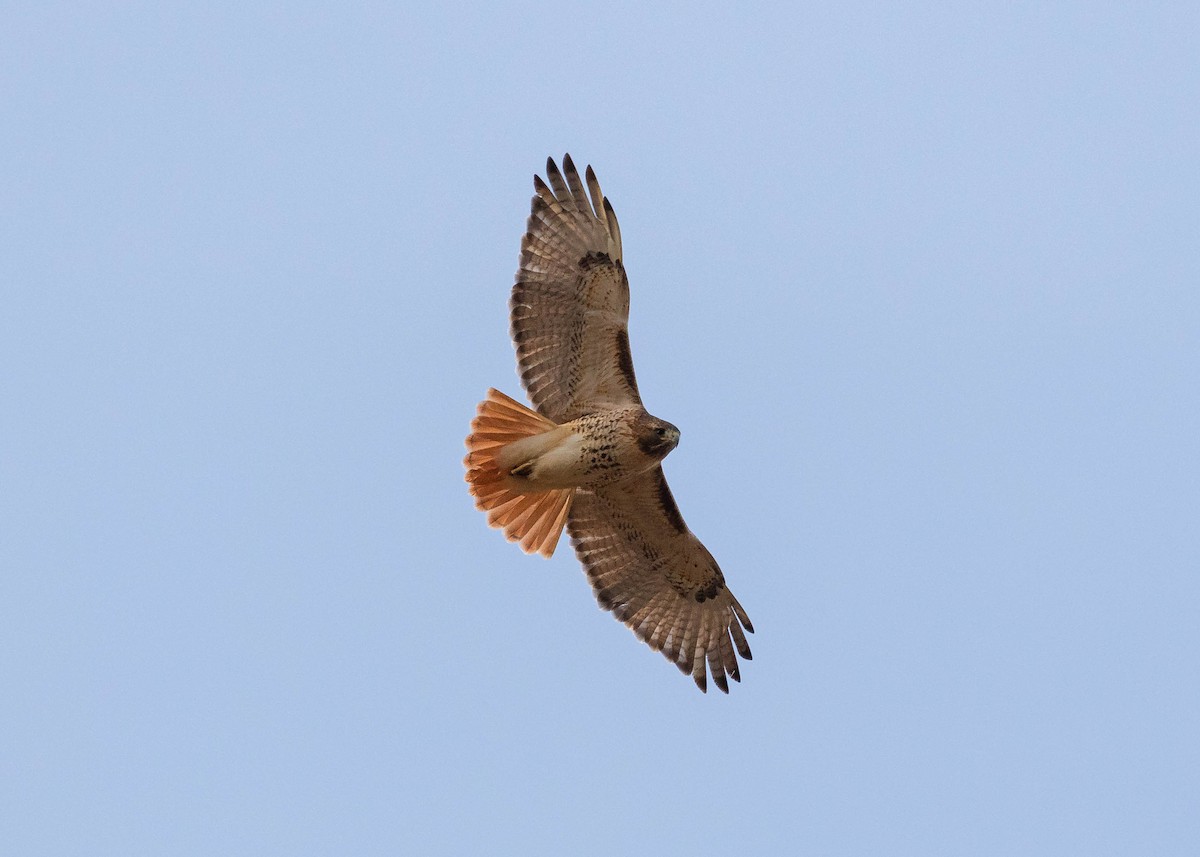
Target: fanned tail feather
{"type": "Point", "coordinates": [533, 519]}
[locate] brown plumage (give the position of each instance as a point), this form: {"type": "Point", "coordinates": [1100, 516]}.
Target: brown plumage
{"type": "Point", "coordinates": [590, 455]}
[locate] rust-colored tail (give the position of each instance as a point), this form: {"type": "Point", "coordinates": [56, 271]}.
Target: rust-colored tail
{"type": "Point", "coordinates": [534, 519]}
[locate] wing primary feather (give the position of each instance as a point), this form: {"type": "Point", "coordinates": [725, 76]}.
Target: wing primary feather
{"type": "Point", "coordinates": [597, 196]}
{"type": "Point", "coordinates": [581, 200]}
{"type": "Point", "coordinates": [715, 666]}
{"type": "Point", "coordinates": [739, 639]}
{"type": "Point", "coordinates": [614, 228]}
{"type": "Point", "coordinates": [556, 181]}
{"type": "Point", "coordinates": [741, 614]}
{"type": "Point", "coordinates": [728, 658]}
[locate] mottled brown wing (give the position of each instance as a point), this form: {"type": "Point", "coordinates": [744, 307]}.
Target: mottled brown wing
{"type": "Point", "coordinates": [570, 304]}
{"type": "Point", "coordinates": [656, 577]}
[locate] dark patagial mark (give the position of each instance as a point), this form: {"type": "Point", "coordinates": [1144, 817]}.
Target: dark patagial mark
{"type": "Point", "coordinates": [625, 360]}
{"type": "Point", "coordinates": [667, 503]}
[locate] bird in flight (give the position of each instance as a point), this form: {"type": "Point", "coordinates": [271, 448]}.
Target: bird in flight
{"type": "Point", "coordinates": [589, 456]}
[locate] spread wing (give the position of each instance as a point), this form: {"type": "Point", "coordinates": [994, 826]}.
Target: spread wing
{"type": "Point", "coordinates": [656, 577]}
{"type": "Point", "coordinates": [570, 304]}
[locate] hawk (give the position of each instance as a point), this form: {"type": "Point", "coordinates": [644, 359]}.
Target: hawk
{"type": "Point", "coordinates": [589, 457]}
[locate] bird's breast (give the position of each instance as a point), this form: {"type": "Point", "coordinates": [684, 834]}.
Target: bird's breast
{"type": "Point", "coordinates": [593, 450]}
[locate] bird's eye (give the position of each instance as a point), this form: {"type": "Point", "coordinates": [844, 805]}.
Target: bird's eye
{"type": "Point", "coordinates": [660, 431]}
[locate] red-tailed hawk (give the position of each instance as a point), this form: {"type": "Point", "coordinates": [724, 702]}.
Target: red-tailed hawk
{"type": "Point", "coordinates": [589, 456]}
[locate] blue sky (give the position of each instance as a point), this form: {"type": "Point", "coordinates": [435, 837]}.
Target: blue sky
{"type": "Point", "coordinates": [918, 282]}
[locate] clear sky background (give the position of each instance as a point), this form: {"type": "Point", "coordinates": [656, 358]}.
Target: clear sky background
{"type": "Point", "coordinates": [920, 283]}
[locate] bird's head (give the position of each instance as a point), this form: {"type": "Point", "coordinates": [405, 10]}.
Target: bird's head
{"type": "Point", "coordinates": [656, 437]}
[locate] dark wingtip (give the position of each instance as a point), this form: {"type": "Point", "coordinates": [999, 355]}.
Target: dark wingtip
{"type": "Point", "coordinates": [568, 164]}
